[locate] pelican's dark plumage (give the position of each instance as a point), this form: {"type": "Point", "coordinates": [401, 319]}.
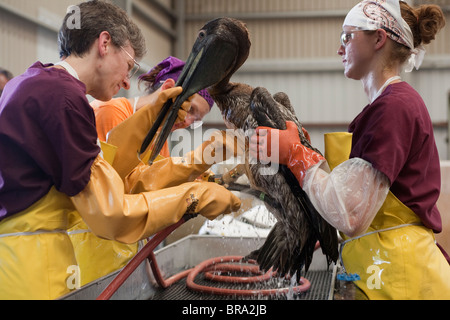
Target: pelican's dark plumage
{"type": "Point", "coordinates": [291, 243]}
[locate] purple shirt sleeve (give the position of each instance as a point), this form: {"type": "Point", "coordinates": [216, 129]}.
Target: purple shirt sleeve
{"type": "Point", "coordinates": [383, 136]}
{"type": "Point", "coordinates": [73, 142]}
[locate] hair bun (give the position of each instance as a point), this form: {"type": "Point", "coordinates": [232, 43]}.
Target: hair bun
{"type": "Point", "coordinates": [431, 19]}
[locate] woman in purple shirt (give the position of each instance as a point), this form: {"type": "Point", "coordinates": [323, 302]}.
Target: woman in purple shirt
{"type": "Point", "coordinates": [51, 167]}
{"type": "Point", "coordinates": [380, 182]}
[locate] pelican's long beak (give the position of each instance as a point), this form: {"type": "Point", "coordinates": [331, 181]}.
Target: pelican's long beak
{"type": "Point", "coordinates": [209, 62]}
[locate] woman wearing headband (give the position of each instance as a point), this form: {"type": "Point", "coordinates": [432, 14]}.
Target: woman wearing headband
{"type": "Point", "coordinates": [380, 182]}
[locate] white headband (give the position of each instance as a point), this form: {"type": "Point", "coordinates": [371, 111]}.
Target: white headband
{"type": "Point", "coordinates": [386, 14]}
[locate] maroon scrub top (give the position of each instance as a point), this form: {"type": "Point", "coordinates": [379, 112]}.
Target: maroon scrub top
{"type": "Point", "coordinates": [47, 137]}
{"type": "Point", "coordinates": [395, 135]}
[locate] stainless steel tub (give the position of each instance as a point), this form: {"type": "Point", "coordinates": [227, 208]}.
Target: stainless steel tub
{"type": "Point", "coordinates": [187, 253]}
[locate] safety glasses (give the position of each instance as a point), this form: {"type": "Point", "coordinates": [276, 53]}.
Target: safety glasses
{"type": "Point", "coordinates": [347, 36]}
{"type": "Point", "coordinates": [135, 67]}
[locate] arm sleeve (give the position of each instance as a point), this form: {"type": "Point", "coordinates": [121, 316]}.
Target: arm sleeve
{"type": "Point", "coordinates": [350, 196]}
{"type": "Point", "coordinates": [71, 146]}
{"type": "Point", "coordinates": [375, 141]}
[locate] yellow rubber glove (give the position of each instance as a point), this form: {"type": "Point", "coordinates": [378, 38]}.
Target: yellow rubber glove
{"type": "Point", "coordinates": [113, 215]}
{"type": "Point", "coordinates": [129, 135]}
{"type": "Point", "coordinates": [173, 171]}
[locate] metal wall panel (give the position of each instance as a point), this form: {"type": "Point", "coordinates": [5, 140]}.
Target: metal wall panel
{"type": "Point", "coordinates": [17, 43]}
{"type": "Point", "coordinates": [434, 87]}
{"type": "Point", "coordinates": [233, 6]}
{"type": "Point", "coordinates": [284, 38]}
{"type": "Point", "coordinates": [157, 28]}
{"type": "Point", "coordinates": [294, 36]}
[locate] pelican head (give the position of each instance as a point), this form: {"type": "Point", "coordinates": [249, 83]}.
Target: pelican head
{"type": "Point", "coordinates": [222, 46]}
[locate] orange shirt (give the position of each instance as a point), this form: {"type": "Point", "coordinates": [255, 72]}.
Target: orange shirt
{"type": "Point", "coordinates": [109, 114]}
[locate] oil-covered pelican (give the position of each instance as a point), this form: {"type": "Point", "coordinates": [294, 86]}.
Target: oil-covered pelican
{"type": "Point", "coordinates": [291, 243]}
{"type": "Point", "coordinates": [221, 47]}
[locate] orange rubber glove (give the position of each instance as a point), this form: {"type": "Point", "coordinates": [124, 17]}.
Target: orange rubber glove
{"type": "Point", "coordinates": [291, 151]}
{"type": "Point", "coordinates": [301, 159]}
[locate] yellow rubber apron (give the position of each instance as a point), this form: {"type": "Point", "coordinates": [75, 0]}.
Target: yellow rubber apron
{"type": "Point", "coordinates": [397, 257]}
{"type": "Point", "coordinates": [98, 257]}
{"type": "Point", "coordinates": [47, 251]}
{"type": "Point", "coordinates": [37, 259]}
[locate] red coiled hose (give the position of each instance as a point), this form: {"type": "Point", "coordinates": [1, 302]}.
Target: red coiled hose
{"type": "Point", "coordinates": [145, 252]}
{"type": "Point", "coordinates": [218, 264]}
{"type": "Point", "coordinates": [304, 286]}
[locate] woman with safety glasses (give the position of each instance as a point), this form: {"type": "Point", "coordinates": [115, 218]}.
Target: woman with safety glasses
{"type": "Point", "coordinates": [380, 182]}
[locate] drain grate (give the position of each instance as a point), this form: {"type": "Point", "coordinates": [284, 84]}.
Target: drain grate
{"type": "Point", "coordinates": [321, 282]}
